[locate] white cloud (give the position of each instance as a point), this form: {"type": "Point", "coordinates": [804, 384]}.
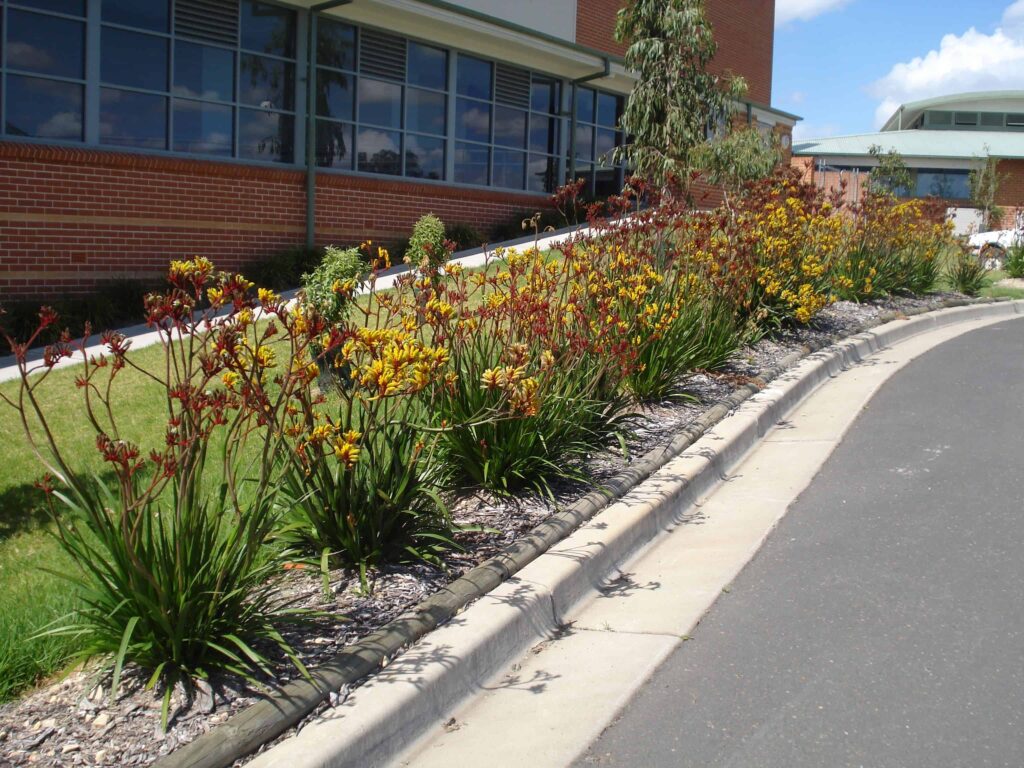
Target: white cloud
{"type": "Point", "coordinates": [804, 130]}
{"type": "Point", "coordinates": [797, 97]}
{"type": "Point", "coordinates": [973, 61]}
{"type": "Point", "coordinates": [804, 10]}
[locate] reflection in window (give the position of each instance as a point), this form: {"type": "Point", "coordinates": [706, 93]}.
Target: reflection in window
{"type": "Point", "coordinates": [596, 137]}
{"type": "Point", "coordinates": [266, 82]}
{"type": "Point", "coordinates": [473, 120]}
{"type": "Point", "coordinates": [336, 45]}
{"type": "Point", "coordinates": [509, 168]}
{"type": "Point", "coordinates": [425, 111]}
{"type": "Point", "coordinates": [333, 145]}
{"type": "Point", "coordinates": [202, 71]}
{"type": "Point", "coordinates": [266, 136]}
{"type": "Point", "coordinates": [335, 95]}
{"type": "Point", "coordinates": [203, 128]}
{"type": "Point", "coordinates": [542, 173]}
{"type": "Point", "coordinates": [132, 119]}
{"type": "Point", "coordinates": [70, 7]}
{"type": "Point", "coordinates": [48, 45]}
{"type": "Point", "coordinates": [268, 29]}
{"type": "Point", "coordinates": [45, 109]}
{"type": "Point", "coordinates": [509, 127]}
{"type": "Point", "coordinates": [428, 67]}
{"type": "Point", "coordinates": [142, 14]}
{"type": "Point", "coordinates": [379, 151]}
{"type": "Point", "coordinates": [380, 103]}
{"type": "Point", "coordinates": [474, 77]}
{"type": "Point", "coordinates": [424, 157]}
{"type": "Point", "coordinates": [133, 59]}
{"type": "Point", "coordinates": [472, 163]}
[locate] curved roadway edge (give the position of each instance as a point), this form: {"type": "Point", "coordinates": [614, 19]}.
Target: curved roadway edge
{"type": "Point", "coordinates": [423, 686]}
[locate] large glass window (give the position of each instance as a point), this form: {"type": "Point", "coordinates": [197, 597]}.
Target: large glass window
{"type": "Point", "coordinates": [386, 113]}
{"type": "Point", "coordinates": [134, 73]}
{"type": "Point", "coordinates": [597, 135]}
{"type": "Point", "coordinates": [383, 104]}
{"type": "Point", "coordinates": [44, 82]}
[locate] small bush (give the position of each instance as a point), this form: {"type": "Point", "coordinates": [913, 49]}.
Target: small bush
{"type": "Point", "coordinates": [427, 243]}
{"type": "Point", "coordinates": [284, 269]}
{"type": "Point", "coordinates": [464, 236]}
{"type": "Point", "coordinates": [328, 289]}
{"type": "Point", "coordinates": [114, 303]}
{"type": "Point", "coordinates": [1014, 264]}
{"type": "Point", "coordinates": [966, 274]}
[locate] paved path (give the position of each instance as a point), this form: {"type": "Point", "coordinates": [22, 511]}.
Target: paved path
{"type": "Point", "coordinates": [882, 624]}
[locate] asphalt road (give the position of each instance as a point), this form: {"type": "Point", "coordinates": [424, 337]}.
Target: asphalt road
{"type": "Point", "coordinates": [882, 624]}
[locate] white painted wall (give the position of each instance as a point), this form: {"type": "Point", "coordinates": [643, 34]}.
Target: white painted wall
{"type": "Point", "coordinates": [553, 17]}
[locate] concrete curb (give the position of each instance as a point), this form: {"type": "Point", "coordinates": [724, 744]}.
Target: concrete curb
{"type": "Point", "coordinates": [516, 613]}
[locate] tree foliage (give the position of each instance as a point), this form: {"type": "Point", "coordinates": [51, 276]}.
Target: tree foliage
{"type": "Point", "coordinates": [676, 99]}
{"type": "Point", "coordinates": [985, 181]}
{"type": "Point", "coordinates": [740, 156]}
{"type": "Point", "coordinates": [891, 175]}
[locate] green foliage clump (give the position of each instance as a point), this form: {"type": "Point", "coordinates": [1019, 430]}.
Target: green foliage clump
{"type": "Point", "coordinates": [464, 236]}
{"type": "Point", "coordinates": [427, 244]}
{"type": "Point", "coordinates": [966, 274]}
{"type": "Point", "coordinates": [284, 270]}
{"type": "Point", "coordinates": [328, 288]}
{"type": "Point", "coordinates": [1014, 264]}
{"type": "Point", "coordinates": [738, 157]}
{"type": "Point", "coordinates": [891, 176]}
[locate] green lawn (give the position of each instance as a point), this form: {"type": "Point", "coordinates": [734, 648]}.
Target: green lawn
{"type": "Point", "coordinates": [999, 291]}
{"type": "Point", "coordinates": [31, 594]}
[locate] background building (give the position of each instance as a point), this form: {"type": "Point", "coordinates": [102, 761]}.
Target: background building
{"type": "Point", "coordinates": [940, 140]}
{"type": "Point", "coordinates": [135, 131]}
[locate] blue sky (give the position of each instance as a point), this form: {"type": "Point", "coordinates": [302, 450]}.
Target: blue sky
{"type": "Point", "coordinates": [844, 65]}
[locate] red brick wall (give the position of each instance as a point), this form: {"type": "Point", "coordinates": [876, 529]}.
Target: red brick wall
{"type": "Point", "coordinates": [1011, 191]}
{"type": "Point", "coordinates": [70, 218]}
{"type": "Point", "coordinates": [744, 29]}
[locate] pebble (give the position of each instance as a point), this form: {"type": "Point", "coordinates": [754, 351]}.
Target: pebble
{"type": "Point", "coordinates": [101, 720]}
{"type": "Point", "coordinates": [100, 756]}
{"type": "Point", "coordinates": [70, 747]}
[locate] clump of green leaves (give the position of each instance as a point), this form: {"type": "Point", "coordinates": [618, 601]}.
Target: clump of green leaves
{"type": "Point", "coordinates": [671, 44]}
{"type": "Point", "coordinates": [427, 244]}
{"type": "Point", "coordinates": [738, 157]}
{"type": "Point", "coordinates": [890, 176]}
{"type": "Point", "coordinates": [1014, 264]}
{"type": "Point", "coordinates": [966, 274]}
{"type": "Point", "coordinates": [985, 181]}
{"type": "Point", "coordinates": [328, 288]}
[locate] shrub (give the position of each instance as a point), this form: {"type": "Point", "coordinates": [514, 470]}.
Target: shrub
{"type": "Point", "coordinates": [1014, 264]}
{"type": "Point", "coordinates": [328, 289]}
{"type": "Point", "coordinates": [464, 236]}
{"type": "Point", "coordinates": [172, 568]}
{"type": "Point", "coordinates": [966, 274]}
{"type": "Point", "coordinates": [427, 243]}
{"type": "Point", "coordinates": [284, 270]}
{"type": "Point", "coordinates": [117, 302]}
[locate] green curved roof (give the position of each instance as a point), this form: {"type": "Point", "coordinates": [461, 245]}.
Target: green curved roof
{"type": "Point", "coordinates": [961, 145]}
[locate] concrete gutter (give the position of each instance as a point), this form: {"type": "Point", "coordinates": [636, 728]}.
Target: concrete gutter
{"type": "Point", "coordinates": [427, 679]}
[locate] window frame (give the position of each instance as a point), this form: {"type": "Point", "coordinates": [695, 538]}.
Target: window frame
{"type": "Point", "coordinates": [92, 87]}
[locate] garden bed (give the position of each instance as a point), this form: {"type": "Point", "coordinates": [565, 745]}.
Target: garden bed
{"type": "Point", "coordinates": [72, 722]}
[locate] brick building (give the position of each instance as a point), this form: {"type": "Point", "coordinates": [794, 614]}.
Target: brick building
{"type": "Point", "coordinates": [941, 140]}
{"type": "Point", "coordinates": [135, 131]}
